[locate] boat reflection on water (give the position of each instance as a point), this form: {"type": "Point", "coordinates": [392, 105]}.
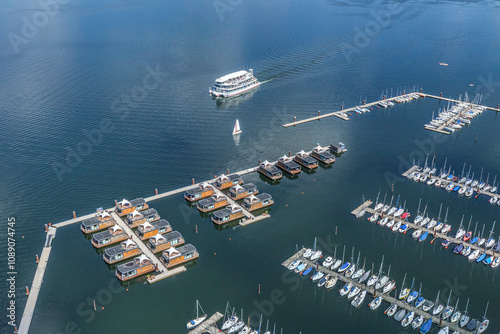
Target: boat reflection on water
{"type": "Point", "coordinates": [226, 102]}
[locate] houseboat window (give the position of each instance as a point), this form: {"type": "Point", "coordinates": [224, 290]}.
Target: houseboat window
{"type": "Point", "coordinates": [105, 241]}
{"type": "Point", "coordinates": [119, 256]}
{"type": "Point", "coordinates": [188, 256]}
{"type": "Point", "coordinates": [174, 242]}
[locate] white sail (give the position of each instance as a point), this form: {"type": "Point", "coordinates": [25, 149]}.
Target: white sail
{"type": "Point", "coordinates": [237, 129]}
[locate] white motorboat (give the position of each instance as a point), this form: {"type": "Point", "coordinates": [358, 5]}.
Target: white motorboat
{"type": "Point", "coordinates": [336, 264]}
{"type": "Point", "coordinates": [427, 305]}
{"type": "Point", "coordinates": [396, 226]}
{"type": "Point", "coordinates": [389, 286]}
{"type": "Point", "coordinates": [358, 274]}
{"type": "Point", "coordinates": [431, 224]}
{"type": "Point", "coordinates": [391, 223]}
{"type": "Point", "coordinates": [391, 310]}
{"type": "Point", "coordinates": [444, 330]}
{"type": "Point", "coordinates": [381, 282]}
{"type": "Point", "coordinates": [474, 255]}
{"type": "Point", "coordinates": [399, 212]}
{"type": "Point", "coordinates": [345, 289]}
{"type": "Point", "coordinates": [307, 254]}
{"type": "Point", "coordinates": [431, 181]}
{"type": "Point", "coordinates": [230, 322]}
{"type": "Point", "coordinates": [372, 280]}
{"type": "Point", "coordinates": [383, 221]}
{"type": "Point", "coordinates": [350, 271]}
{"type": "Point", "coordinates": [331, 282]}
{"type": "Point", "coordinates": [460, 233]}
{"type": "Point", "coordinates": [379, 206]}
{"type": "Point", "coordinates": [407, 320]}
{"type": "Point", "coordinates": [354, 292]}
{"type": "Point", "coordinates": [493, 200]}
{"type": "Point", "coordinates": [417, 219]}
{"type": "Point", "coordinates": [417, 322]}
{"type": "Point", "coordinates": [294, 265]}
{"type": "Point", "coordinates": [466, 251]}
{"type": "Point", "coordinates": [317, 276]}
{"type": "Point", "coordinates": [328, 262]}
{"type": "Point", "coordinates": [236, 327]}
{"type": "Point", "coordinates": [391, 211]}
{"type": "Point", "coordinates": [416, 234]}
{"type": "Point", "coordinates": [404, 294]}
{"type": "Point", "coordinates": [356, 302]}
{"type": "Point", "coordinates": [375, 303]}
{"type": "Point", "coordinates": [316, 255]}
{"type": "Point", "coordinates": [462, 190]}
{"type": "Point", "coordinates": [446, 228]}
{"type": "Point", "coordinates": [439, 226]}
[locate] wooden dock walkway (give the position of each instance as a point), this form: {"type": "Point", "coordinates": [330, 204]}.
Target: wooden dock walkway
{"type": "Point", "coordinates": [409, 171]}
{"type": "Point", "coordinates": [342, 114]}
{"type": "Point", "coordinates": [208, 325]}
{"type": "Point", "coordinates": [371, 290]}
{"type": "Point", "coordinates": [433, 234]}
{"type": "Point", "coordinates": [361, 207]}
{"type": "Point", "coordinates": [29, 309]}
{"type": "Point", "coordinates": [163, 271]}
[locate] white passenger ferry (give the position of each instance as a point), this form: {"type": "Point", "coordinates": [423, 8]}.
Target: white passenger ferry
{"type": "Point", "coordinates": [234, 84]}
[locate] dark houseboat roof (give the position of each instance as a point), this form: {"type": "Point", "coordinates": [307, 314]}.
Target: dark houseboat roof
{"type": "Point", "coordinates": [121, 248]}
{"type": "Point", "coordinates": [113, 230]}
{"type": "Point", "coordinates": [201, 188]}
{"type": "Point", "coordinates": [287, 161]}
{"type": "Point", "coordinates": [163, 238]}
{"type": "Point", "coordinates": [270, 168]}
{"type": "Point", "coordinates": [138, 215]}
{"type": "Point", "coordinates": [174, 252]}
{"type": "Point", "coordinates": [306, 158]}
{"type": "Point", "coordinates": [252, 199]}
{"type": "Point", "coordinates": [227, 178]}
{"type": "Point", "coordinates": [211, 200]}
{"type": "Point", "coordinates": [242, 188]}
{"type": "Point", "coordinates": [226, 211]}
{"type": "Point", "coordinates": [146, 227]}
{"type": "Point", "coordinates": [137, 263]}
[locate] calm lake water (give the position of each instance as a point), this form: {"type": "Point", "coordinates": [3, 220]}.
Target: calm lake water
{"type": "Point", "coordinates": [75, 71]}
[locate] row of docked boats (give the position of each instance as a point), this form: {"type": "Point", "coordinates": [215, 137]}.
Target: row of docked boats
{"type": "Point", "coordinates": [455, 117]}
{"type": "Point", "coordinates": [301, 160]}
{"type": "Point", "coordinates": [231, 323]}
{"type": "Point", "coordinates": [154, 232]}
{"type": "Point", "coordinates": [464, 185]}
{"type": "Point", "coordinates": [360, 283]}
{"type": "Point", "coordinates": [475, 247]}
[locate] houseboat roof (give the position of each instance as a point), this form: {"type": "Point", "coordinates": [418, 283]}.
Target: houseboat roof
{"type": "Point", "coordinates": [230, 76]}
{"type": "Point", "coordinates": [105, 234]}
{"type": "Point", "coordinates": [285, 158]}
{"type": "Point", "coordinates": [288, 162]}
{"type": "Point", "coordinates": [212, 199]}
{"type": "Point", "coordinates": [306, 157]}
{"type": "Point", "coordinates": [238, 188]}
{"type": "Point", "coordinates": [318, 148]}
{"type": "Point", "coordinates": [91, 221]}
{"type": "Point", "coordinates": [270, 167]}
{"type": "Point", "coordinates": [201, 187]}
{"type": "Point", "coordinates": [146, 227]}
{"type": "Point", "coordinates": [226, 178]}
{"type": "Point", "coordinates": [252, 199]}
{"type": "Point", "coordinates": [134, 264]}
{"type": "Point", "coordinates": [125, 203]}
{"type": "Point", "coordinates": [137, 215]}
{"type": "Point", "coordinates": [230, 209]}
{"type": "Point", "coordinates": [124, 246]}
{"type": "Point", "coordinates": [161, 238]}
{"type": "Point", "coordinates": [174, 252]}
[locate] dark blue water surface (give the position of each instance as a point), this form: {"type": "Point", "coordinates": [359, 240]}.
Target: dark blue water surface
{"type": "Point", "coordinates": [68, 80]}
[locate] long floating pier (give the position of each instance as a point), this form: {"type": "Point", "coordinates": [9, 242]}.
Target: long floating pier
{"type": "Point", "coordinates": [373, 292]}
{"type": "Point", "coordinates": [342, 114]}
{"type": "Point", "coordinates": [433, 233]}
{"type": "Point", "coordinates": [477, 191]}
{"type": "Point", "coordinates": [208, 325]}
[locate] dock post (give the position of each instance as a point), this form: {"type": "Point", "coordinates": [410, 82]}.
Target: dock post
{"type": "Point", "coordinates": [259, 162]}
{"type": "Point", "coordinates": [196, 229]}
{"type": "Point", "coordinates": [227, 171]}
{"type": "Point", "coordinates": [421, 90]}
{"type": "Point", "coordinates": [335, 230]}
{"type": "Point", "coordinates": [498, 106]}
{"type": "Point", "coordinates": [259, 289]}
{"type": "Point", "coordinates": [27, 291]}
{"type": "Point", "coordinates": [192, 180]}
{"type": "Point", "coordinates": [74, 214]}
{"type": "Point", "coordinates": [46, 228]}
{"type": "Point", "coordinates": [441, 94]}
{"type": "Point", "coordinates": [37, 259]}
{"type": "Point", "coordinates": [374, 293]}
{"type": "Point", "coordinates": [342, 107]}
{"type": "Point", "coordinates": [15, 329]}
{"type": "Point", "coordinates": [116, 202]}
{"type": "Point", "coordinates": [319, 113]}
{"type": "Point", "coordinates": [289, 153]}
{"type": "Point", "coordinates": [404, 92]}
{"type": "Point", "coordinates": [364, 102]}
{"type": "Point", "coordinates": [294, 119]}
{"type": "Point", "coordinates": [383, 98]}
{"type": "Point", "coordinates": [94, 306]}
{"type": "Point", "coordinates": [156, 191]}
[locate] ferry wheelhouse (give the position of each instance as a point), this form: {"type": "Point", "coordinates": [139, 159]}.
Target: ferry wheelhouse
{"type": "Point", "coordinates": [137, 218]}
{"type": "Point", "coordinates": [147, 230]}
{"type": "Point", "coordinates": [125, 250]}
{"type": "Point", "coordinates": [260, 201]}
{"type": "Point", "coordinates": [227, 215]}
{"type": "Point", "coordinates": [113, 235]}
{"type": "Point", "coordinates": [139, 266]}
{"type": "Point", "coordinates": [227, 181]}
{"type": "Point", "coordinates": [269, 170]}
{"type": "Point", "coordinates": [234, 84]}
{"type": "Point", "coordinates": [305, 160]}
{"type": "Point", "coordinates": [288, 165]}
{"type": "Point", "coordinates": [100, 222]}
{"type": "Point", "coordinates": [125, 207]}
{"type": "Point", "coordinates": [338, 149]}
{"type": "Point", "coordinates": [238, 192]}
{"type": "Point", "coordinates": [204, 190]}
{"type": "Point", "coordinates": [160, 242]}
{"type": "Point", "coordinates": [322, 155]}
{"type": "Point", "coordinates": [215, 201]}
{"type": "Point", "coordinates": [176, 256]}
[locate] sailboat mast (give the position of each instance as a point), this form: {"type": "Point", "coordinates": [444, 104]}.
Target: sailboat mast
{"type": "Point", "coordinates": [403, 285]}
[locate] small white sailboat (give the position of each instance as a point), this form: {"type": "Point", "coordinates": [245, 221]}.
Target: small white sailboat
{"type": "Point", "coordinates": [199, 319]}
{"type": "Point", "coordinates": [236, 130]}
